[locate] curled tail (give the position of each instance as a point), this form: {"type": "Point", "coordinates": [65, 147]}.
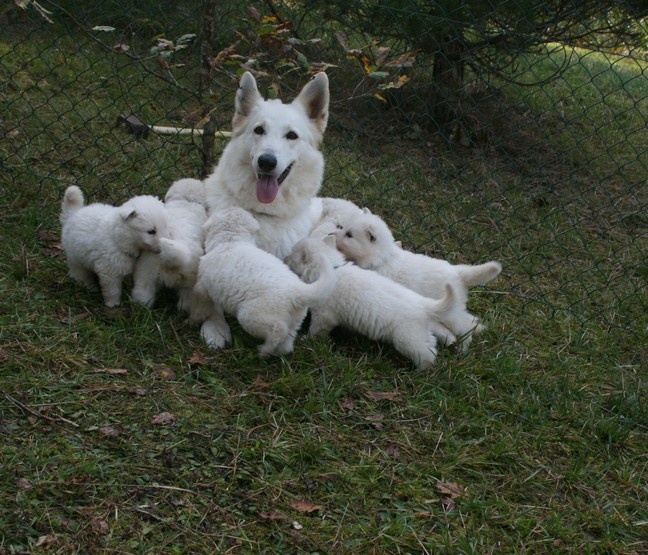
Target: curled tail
{"type": "Point", "coordinates": [472, 275]}
{"type": "Point", "coordinates": [440, 307]}
{"type": "Point", "coordinates": [72, 201]}
{"type": "Point", "coordinates": [323, 286]}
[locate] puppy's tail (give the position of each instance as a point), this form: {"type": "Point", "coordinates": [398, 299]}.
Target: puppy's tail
{"type": "Point", "coordinates": [437, 308]}
{"type": "Point", "coordinates": [472, 275]}
{"type": "Point", "coordinates": [72, 201]}
{"type": "Point", "coordinates": [323, 286]}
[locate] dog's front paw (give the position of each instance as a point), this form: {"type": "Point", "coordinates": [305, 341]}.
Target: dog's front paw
{"type": "Point", "coordinates": [216, 334]}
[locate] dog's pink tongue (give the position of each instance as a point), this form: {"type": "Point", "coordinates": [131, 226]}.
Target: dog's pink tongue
{"type": "Point", "coordinates": [267, 188]}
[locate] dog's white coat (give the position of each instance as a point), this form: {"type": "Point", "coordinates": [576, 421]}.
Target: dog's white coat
{"type": "Point", "coordinates": [288, 135]}
{"type": "Point", "coordinates": [106, 240]}
{"type": "Point", "coordinates": [237, 278]}
{"type": "Point", "coordinates": [367, 240]}
{"type": "Point", "coordinates": [373, 305]}
{"type": "Point", "coordinates": [176, 266]}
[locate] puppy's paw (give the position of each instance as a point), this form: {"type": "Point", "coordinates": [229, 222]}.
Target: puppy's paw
{"type": "Point", "coordinates": [216, 335]}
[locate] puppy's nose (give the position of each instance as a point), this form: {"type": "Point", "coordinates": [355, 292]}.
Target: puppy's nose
{"type": "Point", "coordinates": [267, 162]}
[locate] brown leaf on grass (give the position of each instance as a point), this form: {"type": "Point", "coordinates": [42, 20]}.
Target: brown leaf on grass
{"type": "Point", "coordinates": [383, 395]}
{"type": "Point", "coordinates": [305, 506]}
{"type": "Point", "coordinates": [197, 358]}
{"type": "Point", "coordinates": [140, 392]}
{"type": "Point", "coordinates": [109, 431]}
{"type": "Point", "coordinates": [347, 403]}
{"type": "Point", "coordinates": [164, 418]}
{"type": "Point", "coordinates": [165, 372]}
{"type": "Point", "coordinates": [46, 541]}
{"type": "Point", "coordinates": [261, 383]}
{"type": "Point", "coordinates": [375, 417]}
{"type": "Point", "coordinates": [272, 515]}
{"type": "Point", "coordinates": [23, 483]}
{"type": "Point", "coordinates": [99, 526]}
{"type": "Point", "coordinates": [392, 450]}
{"type": "Point", "coordinates": [450, 489]}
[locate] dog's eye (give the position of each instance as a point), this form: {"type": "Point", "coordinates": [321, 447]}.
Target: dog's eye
{"type": "Point", "coordinates": [259, 130]}
{"type": "Point", "coordinates": [372, 238]}
{"type": "Point", "coordinates": [152, 231]}
{"type": "Point", "coordinates": [349, 235]}
{"type": "Point", "coordinates": [291, 135]}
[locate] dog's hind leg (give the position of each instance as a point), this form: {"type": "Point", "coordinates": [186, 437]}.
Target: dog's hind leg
{"type": "Point", "coordinates": [417, 345]}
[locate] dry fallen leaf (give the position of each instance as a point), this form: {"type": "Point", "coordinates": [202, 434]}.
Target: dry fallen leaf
{"type": "Point", "coordinates": [23, 483]}
{"type": "Point", "coordinates": [260, 382]}
{"type": "Point", "coordinates": [383, 395]}
{"type": "Point", "coordinates": [305, 506]}
{"type": "Point", "coordinates": [197, 358]}
{"type": "Point", "coordinates": [164, 418]}
{"type": "Point", "coordinates": [165, 373]}
{"type": "Point", "coordinates": [374, 417]}
{"type": "Point", "coordinates": [450, 489]}
{"type": "Point", "coordinates": [109, 431]}
{"type": "Point", "coordinates": [392, 450]}
{"type": "Point", "coordinates": [99, 526]}
{"type": "Point", "coordinates": [347, 403]}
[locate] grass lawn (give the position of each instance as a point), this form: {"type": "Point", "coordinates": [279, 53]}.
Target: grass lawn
{"type": "Point", "coordinates": [121, 433]}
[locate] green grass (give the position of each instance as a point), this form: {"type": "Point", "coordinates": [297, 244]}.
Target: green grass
{"type": "Point", "coordinates": [541, 426]}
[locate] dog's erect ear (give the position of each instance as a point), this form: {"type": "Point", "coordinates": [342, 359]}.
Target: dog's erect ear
{"type": "Point", "coordinates": [314, 97]}
{"type": "Point", "coordinates": [366, 211]}
{"type": "Point", "coordinates": [247, 96]}
{"type": "Point", "coordinates": [398, 244]}
{"type": "Point", "coordinates": [128, 213]}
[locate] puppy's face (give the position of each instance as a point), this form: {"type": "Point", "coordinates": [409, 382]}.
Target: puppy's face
{"type": "Point", "coordinates": [364, 240]}
{"type": "Point", "coordinates": [147, 223]}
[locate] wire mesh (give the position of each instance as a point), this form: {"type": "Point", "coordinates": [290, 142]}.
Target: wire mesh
{"type": "Point", "coordinates": [476, 134]}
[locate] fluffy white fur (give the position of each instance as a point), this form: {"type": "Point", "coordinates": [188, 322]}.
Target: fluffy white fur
{"type": "Point", "coordinates": [176, 266]}
{"type": "Point", "coordinates": [238, 278]}
{"type": "Point", "coordinates": [103, 240]}
{"type": "Point", "coordinates": [272, 166]}
{"type": "Point", "coordinates": [367, 240]}
{"type": "Point", "coordinates": [373, 305]}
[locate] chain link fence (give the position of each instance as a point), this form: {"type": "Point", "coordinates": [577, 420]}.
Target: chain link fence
{"type": "Point", "coordinates": [475, 135]}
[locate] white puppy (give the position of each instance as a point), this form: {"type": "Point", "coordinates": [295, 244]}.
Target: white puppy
{"type": "Point", "coordinates": [238, 278]}
{"type": "Point", "coordinates": [176, 266]}
{"type": "Point", "coordinates": [366, 240]}
{"type": "Point", "coordinates": [373, 305]}
{"type": "Point", "coordinates": [106, 240]}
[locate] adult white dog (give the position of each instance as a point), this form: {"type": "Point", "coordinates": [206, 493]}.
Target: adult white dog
{"type": "Point", "coordinates": [373, 305]}
{"type": "Point", "coordinates": [365, 239]}
{"type": "Point", "coordinates": [104, 240]}
{"type": "Point", "coordinates": [272, 166]}
{"type": "Point", "coordinates": [238, 278]}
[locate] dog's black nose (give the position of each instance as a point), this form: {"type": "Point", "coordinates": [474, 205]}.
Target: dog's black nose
{"type": "Point", "coordinates": [267, 162]}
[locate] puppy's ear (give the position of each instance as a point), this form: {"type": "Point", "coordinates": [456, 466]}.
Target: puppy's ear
{"type": "Point", "coordinates": [247, 96]}
{"type": "Point", "coordinates": [366, 211]}
{"type": "Point", "coordinates": [371, 234]}
{"type": "Point", "coordinates": [128, 213]}
{"type": "Point", "coordinates": [314, 98]}
{"type": "Point", "coordinates": [399, 244]}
